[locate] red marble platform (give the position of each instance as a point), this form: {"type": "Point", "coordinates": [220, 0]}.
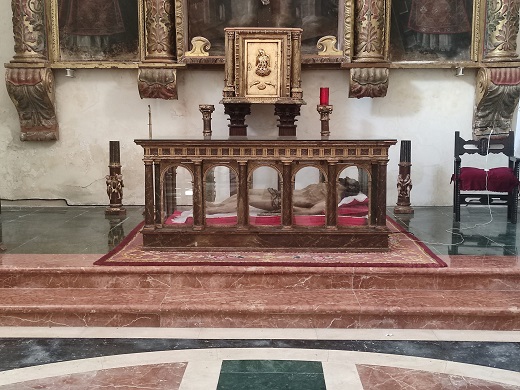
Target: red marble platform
{"type": "Point", "coordinates": [67, 290]}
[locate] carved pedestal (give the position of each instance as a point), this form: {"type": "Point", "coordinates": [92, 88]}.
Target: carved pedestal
{"type": "Point", "coordinates": [404, 181]}
{"type": "Point", "coordinates": [237, 118]}
{"type": "Point", "coordinates": [114, 183]}
{"type": "Point", "coordinates": [287, 119]}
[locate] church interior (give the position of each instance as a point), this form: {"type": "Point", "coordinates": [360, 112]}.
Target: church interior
{"type": "Point", "coordinates": [264, 194]}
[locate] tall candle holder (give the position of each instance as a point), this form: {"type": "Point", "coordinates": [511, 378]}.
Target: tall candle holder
{"type": "Point", "coordinates": [404, 181]}
{"type": "Point", "coordinates": [325, 110]}
{"type": "Point", "coordinates": [206, 110]}
{"type": "Point", "coordinates": [114, 182]}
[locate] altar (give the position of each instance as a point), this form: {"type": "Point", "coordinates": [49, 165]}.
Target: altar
{"type": "Point", "coordinates": [183, 184]}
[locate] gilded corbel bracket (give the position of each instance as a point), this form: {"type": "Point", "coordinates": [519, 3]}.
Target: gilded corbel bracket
{"type": "Point", "coordinates": [327, 46]}
{"type": "Point", "coordinates": [497, 95]}
{"type": "Point", "coordinates": [200, 47]}
{"type": "Point", "coordinates": [157, 83]}
{"type": "Point", "coordinates": [29, 81]}
{"type": "Point", "coordinates": [32, 92]}
{"type": "Point", "coordinates": [501, 31]}
{"type": "Point", "coordinates": [368, 82]}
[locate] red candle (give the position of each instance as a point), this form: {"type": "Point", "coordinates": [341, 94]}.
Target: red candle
{"type": "Point", "coordinates": [324, 96]}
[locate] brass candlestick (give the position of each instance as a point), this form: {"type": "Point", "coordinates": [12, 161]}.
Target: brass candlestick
{"type": "Point", "coordinates": [206, 110]}
{"type": "Point", "coordinates": [325, 111]}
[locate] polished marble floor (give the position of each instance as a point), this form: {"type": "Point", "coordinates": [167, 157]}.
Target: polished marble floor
{"type": "Point", "coordinates": [221, 359]}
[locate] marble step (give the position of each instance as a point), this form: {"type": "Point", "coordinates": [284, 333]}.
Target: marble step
{"type": "Point", "coordinates": [258, 308]}
{"type": "Point", "coordinates": [241, 278]}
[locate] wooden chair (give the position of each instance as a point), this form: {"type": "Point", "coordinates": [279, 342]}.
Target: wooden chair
{"type": "Point", "coordinates": [496, 186]}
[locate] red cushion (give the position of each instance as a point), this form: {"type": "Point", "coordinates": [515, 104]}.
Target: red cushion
{"type": "Point", "coordinates": [496, 179]}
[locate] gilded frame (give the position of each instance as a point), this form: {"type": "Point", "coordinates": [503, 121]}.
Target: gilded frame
{"type": "Point", "coordinates": [55, 48]}
{"type": "Point", "coordinates": [329, 49]}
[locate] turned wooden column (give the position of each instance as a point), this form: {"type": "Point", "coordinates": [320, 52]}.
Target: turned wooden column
{"type": "Point", "coordinates": [331, 210]}
{"type": "Point", "coordinates": [149, 214]}
{"type": "Point", "coordinates": [378, 201]}
{"type": "Point", "coordinates": [199, 202]}
{"type": "Point", "coordinates": [287, 190]}
{"type": "Point", "coordinates": [243, 196]}
{"type": "Point", "coordinates": [157, 192]}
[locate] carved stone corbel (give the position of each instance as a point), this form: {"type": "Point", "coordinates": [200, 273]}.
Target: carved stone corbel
{"type": "Point", "coordinates": [157, 83]}
{"type": "Point", "coordinates": [368, 82]}
{"type": "Point", "coordinates": [497, 95]}
{"type": "Point", "coordinates": [29, 82]}
{"type": "Point", "coordinates": [502, 24]}
{"type": "Point", "coordinates": [370, 30]}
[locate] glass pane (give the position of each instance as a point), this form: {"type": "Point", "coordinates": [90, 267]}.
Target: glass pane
{"type": "Point", "coordinates": [265, 197]}
{"type": "Point", "coordinates": [221, 196]}
{"type": "Point", "coordinates": [431, 30]}
{"type": "Point", "coordinates": [309, 197]}
{"type": "Point", "coordinates": [177, 196]}
{"type": "Point", "coordinates": [316, 18]}
{"type": "Point", "coordinates": [353, 205]}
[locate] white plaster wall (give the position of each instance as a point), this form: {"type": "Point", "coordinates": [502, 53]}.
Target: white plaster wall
{"type": "Point", "coordinates": [424, 106]}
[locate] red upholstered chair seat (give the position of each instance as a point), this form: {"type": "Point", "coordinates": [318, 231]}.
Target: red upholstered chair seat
{"type": "Point", "coordinates": [500, 179]}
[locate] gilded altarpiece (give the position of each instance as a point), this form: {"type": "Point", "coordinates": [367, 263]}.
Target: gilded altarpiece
{"type": "Point", "coordinates": [368, 38]}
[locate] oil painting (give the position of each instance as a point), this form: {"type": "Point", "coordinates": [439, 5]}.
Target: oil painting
{"type": "Point", "coordinates": [431, 30]}
{"type": "Point", "coordinates": [98, 30]}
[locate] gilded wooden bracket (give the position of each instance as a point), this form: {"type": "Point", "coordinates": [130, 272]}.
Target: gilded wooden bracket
{"type": "Point", "coordinates": [157, 83]}
{"type": "Point", "coordinates": [371, 30]}
{"type": "Point", "coordinates": [497, 95]}
{"type": "Point", "coordinates": [368, 82]}
{"type": "Point", "coordinates": [502, 23]}
{"type": "Point", "coordinates": [32, 92]}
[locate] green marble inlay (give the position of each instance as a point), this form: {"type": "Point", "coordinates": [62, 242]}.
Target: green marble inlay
{"type": "Point", "coordinates": [271, 375]}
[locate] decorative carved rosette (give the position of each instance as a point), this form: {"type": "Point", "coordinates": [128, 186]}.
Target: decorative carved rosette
{"type": "Point", "coordinates": [159, 30]}
{"type": "Point", "coordinates": [501, 29]}
{"type": "Point", "coordinates": [370, 30]}
{"type": "Point", "coordinates": [32, 92]}
{"type": "Point", "coordinates": [157, 83]}
{"type": "Point", "coordinates": [497, 95]}
{"type": "Point", "coordinates": [368, 82]}
{"type": "Point", "coordinates": [29, 30]}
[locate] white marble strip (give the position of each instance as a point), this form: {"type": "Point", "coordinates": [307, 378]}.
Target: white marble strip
{"type": "Point", "coordinates": [263, 333]}
{"type": "Point", "coordinates": [209, 359]}
{"type": "Point", "coordinates": [201, 375]}
{"type": "Point", "coordinates": [341, 376]}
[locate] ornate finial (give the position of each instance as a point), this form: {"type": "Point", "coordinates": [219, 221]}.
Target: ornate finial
{"type": "Point", "coordinates": [327, 45]}
{"type": "Point", "coordinates": [200, 47]}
